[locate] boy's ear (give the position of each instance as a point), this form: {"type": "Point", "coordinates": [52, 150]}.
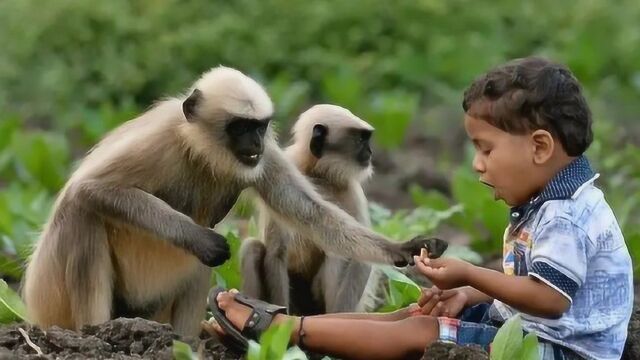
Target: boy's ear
{"type": "Point", "coordinates": [543, 146]}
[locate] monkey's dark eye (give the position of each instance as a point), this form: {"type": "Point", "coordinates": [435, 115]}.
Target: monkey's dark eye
{"type": "Point", "coordinates": [237, 128]}
{"type": "Point", "coordinates": [365, 135]}
{"type": "Point", "coordinates": [240, 126]}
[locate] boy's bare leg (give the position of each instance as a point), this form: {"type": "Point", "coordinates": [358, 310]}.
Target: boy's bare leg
{"type": "Point", "coordinates": [350, 338]}
{"type": "Point", "coordinates": [400, 314]}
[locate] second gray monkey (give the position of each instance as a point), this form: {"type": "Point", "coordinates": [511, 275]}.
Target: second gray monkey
{"type": "Point", "coordinates": [286, 267]}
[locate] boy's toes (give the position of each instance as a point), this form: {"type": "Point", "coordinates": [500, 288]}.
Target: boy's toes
{"type": "Point", "coordinates": [225, 298]}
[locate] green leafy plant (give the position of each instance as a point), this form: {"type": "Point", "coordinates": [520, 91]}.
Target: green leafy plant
{"type": "Point", "coordinates": [11, 306]}
{"type": "Point", "coordinates": [274, 344]}
{"type": "Point", "coordinates": [228, 274]}
{"type": "Point", "coordinates": [182, 351]}
{"type": "Point", "coordinates": [483, 217]}
{"type": "Point", "coordinates": [509, 343]}
{"type": "Point", "coordinates": [405, 224]}
{"type": "Point", "coordinates": [401, 292]}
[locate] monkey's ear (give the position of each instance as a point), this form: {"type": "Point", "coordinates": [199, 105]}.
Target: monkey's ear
{"type": "Point", "coordinates": [190, 104]}
{"type": "Point", "coordinates": [318, 137]}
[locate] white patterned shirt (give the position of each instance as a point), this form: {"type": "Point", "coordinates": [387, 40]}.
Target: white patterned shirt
{"type": "Point", "coordinates": [569, 238]}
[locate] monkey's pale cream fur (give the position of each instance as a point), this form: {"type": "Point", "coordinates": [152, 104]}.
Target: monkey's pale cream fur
{"type": "Point", "coordinates": [337, 283]}
{"type": "Point", "coordinates": [144, 153]}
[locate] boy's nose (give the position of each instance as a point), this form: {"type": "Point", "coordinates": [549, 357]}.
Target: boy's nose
{"type": "Point", "coordinates": [478, 164]}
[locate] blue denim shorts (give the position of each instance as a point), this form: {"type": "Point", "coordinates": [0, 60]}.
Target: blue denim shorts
{"type": "Point", "coordinates": [475, 327]}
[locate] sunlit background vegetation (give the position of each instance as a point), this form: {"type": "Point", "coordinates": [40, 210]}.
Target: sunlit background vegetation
{"type": "Point", "coordinates": [71, 70]}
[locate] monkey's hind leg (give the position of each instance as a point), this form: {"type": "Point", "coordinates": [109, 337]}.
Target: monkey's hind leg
{"type": "Point", "coordinates": [252, 254]}
{"type": "Point", "coordinates": [89, 271]}
{"type": "Point", "coordinates": [343, 284]}
{"type": "Point", "coordinates": [190, 305]}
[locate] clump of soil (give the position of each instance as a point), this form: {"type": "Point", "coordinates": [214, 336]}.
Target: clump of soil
{"type": "Point", "coordinates": [117, 339]}
{"type": "Point", "coordinates": [444, 351]}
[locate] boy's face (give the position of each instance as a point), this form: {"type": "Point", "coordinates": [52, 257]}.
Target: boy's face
{"type": "Point", "coordinates": [504, 161]}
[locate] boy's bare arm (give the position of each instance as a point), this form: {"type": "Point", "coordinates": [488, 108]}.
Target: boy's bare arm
{"type": "Point", "coordinates": [522, 292]}
{"type": "Point", "coordinates": [475, 296]}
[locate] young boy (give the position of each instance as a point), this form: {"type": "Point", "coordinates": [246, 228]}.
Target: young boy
{"type": "Point", "coordinates": [567, 270]}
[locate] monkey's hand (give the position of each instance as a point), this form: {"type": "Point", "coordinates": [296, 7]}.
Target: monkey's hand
{"type": "Point", "coordinates": [210, 248]}
{"type": "Point", "coordinates": [434, 247]}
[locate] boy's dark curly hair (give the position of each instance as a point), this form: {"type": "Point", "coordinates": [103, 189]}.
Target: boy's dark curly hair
{"type": "Point", "coordinates": [532, 93]}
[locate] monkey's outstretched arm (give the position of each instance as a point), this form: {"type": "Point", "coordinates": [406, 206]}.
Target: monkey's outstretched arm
{"type": "Point", "coordinates": [285, 190]}
{"type": "Point", "coordinates": [143, 210]}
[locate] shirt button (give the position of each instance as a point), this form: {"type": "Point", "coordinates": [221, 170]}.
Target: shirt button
{"type": "Point", "coordinates": [516, 214]}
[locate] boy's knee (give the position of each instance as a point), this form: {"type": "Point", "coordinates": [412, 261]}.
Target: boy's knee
{"type": "Point", "coordinates": [424, 330]}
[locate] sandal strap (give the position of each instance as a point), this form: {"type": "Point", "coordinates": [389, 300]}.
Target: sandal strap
{"type": "Point", "coordinates": [261, 316]}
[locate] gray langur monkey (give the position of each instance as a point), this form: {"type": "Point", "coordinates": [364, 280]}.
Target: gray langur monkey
{"type": "Point", "coordinates": [130, 233]}
{"type": "Point", "coordinates": [286, 266]}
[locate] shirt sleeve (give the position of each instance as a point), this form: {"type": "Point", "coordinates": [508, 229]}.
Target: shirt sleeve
{"type": "Point", "coordinates": [559, 256]}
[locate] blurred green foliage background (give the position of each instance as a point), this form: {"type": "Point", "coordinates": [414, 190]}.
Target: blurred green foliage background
{"type": "Point", "coordinates": [70, 70]}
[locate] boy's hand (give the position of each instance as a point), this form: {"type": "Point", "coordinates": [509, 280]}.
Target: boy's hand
{"type": "Point", "coordinates": [445, 273]}
{"type": "Point", "coordinates": [436, 302]}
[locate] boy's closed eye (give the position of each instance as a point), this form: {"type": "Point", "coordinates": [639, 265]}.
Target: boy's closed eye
{"type": "Point", "coordinates": [482, 146]}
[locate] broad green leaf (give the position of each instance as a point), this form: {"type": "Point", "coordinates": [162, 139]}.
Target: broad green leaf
{"type": "Point", "coordinates": [182, 351]}
{"type": "Point", "coordinates": [529, 348]}
{"type": "Point", "coordinates": [508, 341]}
{"type": "Point", "coordinates": [295, 353]}
{"type": "Point", "coordinates": [253, 352]}
{"type": "Point", "coordinates": [228, 274]}
{"type": "Point", "coordinates": [10, 267]}
{"type": "Point", "coordinates": [273, 343]}
{"type": "Point", "coordinates": [432, 199]}
{"type": "Point", "coordinates": [11, 306]}
{"type": "Point", "coordinates": [280, 340]}
{"type": "Point", "coordinates": [390, 113]}
{"type": "Point", "coordinates": [8, 126]}
{"type": "Point", "coordinates": [402, 290]}
{"type": "Point", "coordinates": [480, 209]}
{"type": "Point", "coordinates": [343, 88]}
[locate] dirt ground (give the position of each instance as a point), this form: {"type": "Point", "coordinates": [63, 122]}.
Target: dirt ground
{"type": "Point", "coordinates": [138, 339]}
{"type": "Point", "coordinates": [143, 339]}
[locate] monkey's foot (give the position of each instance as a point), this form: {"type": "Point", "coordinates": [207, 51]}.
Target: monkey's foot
{"type": "Point", "coordinates": [240, 318]}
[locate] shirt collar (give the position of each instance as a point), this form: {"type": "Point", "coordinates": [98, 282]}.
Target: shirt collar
{"type": "Point", "coordinates": [562, 186]}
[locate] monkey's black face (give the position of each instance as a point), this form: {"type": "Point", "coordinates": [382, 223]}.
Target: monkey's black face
{"type": "Point", "coordinates": [362, 139]}
{"type": "Point", "coordinates": [246, 139]}
{"type": "Point", "coordinates": [355, 143]}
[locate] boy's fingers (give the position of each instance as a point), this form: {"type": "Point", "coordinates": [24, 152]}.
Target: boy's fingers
{"type": "Point", "coordinates": [434, 263]}
{"type": "Point", "coordinates": [424, 297]}
{"type": "Point", "coordinates": [448, 293]}
{"type": "Point", "coordinates": [428, 307]}
{"type": "Point", "coordinates": [421, 266]}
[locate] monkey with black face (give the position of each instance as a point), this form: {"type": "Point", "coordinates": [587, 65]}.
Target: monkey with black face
{"type": "Point", "coordinates": [331, 146]}
{"type": "Point", "coordinates": [130, 233]}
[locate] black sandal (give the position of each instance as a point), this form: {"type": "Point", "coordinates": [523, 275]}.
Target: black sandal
{"type": "Point", "coordinates": [261, 316]}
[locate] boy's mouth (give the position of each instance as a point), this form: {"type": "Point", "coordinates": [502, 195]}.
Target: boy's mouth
{"type": "Point", "coordinates": [492, 187]}
{"type": "Point", "coordinates": [488, 184]}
